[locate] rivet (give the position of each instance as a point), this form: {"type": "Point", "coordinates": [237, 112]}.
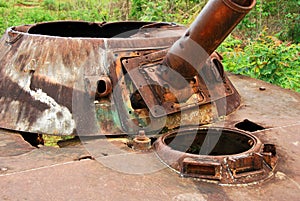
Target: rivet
{"type": "Point", "coordinates": [262, 88]}
{"type": "Point", "coordinates": [4, 169]}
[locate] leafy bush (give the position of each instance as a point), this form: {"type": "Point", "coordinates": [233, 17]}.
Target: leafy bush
{"type": "Point", "coordinates": [290, 32]}
{"type": "Point", "coordinates": [3, 4]}
{"type": "Point", "coordinates": [151, 10]}
{"type": "Point", "coordinates": [266, 58]}
{"type": "Point", "coordinates": [50, 5]}
{"type": "Point", "coordinates": [280, 17]}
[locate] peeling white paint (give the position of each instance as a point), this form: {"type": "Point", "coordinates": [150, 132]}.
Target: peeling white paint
{"type": "Point", "coordinates": [55, 120]}
{"type": "Point", "coordinates": [57, 117]}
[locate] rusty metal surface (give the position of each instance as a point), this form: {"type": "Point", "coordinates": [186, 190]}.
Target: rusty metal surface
{"type": "Point", "coordinates": [82, 78]}
{"type": "Point", "coordinates": [12, 144]}
{"type": "Point", "coordinates": [75, 77]}
{"type": "Point", "coordinates": [264, 109]}
{"type": "Point", "coordinates": [19, 156]}
{"type": "Point", "coordinates": [71, 77]}
{"type": "Point", "coordinates": [44, 72]}
{"type": "Point", "coordinates": [219, 155]}
{"type": "Point", "coordinates": [54, 175]}
{"type": "Point", "coordinates": [207, 87]}
{"type": "Point", "coordinates": [215, 21]}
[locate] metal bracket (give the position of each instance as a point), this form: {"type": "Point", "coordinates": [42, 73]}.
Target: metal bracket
{"type": "Point", "coordinates": [144, 72]}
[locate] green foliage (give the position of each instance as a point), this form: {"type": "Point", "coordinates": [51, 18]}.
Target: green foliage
{"type": "Point", "coordinates": [151, 10]}
{"type": "Point", "coordinates": [265, 58]}
{"type": "Point", "coordinates": [293, 31]}
{"type": "Point", "coordinates": [277, 17]}
{"type": "Point", "coordinates": [166, 10]}
{"type": "Point", "coordinates": [20, 12]}
{"type": "Point", "coordinates": [50, 5]}
{"type": "Point", "coordinates": [28, 3]}
{"type": "Point", "coordinates": [52, 140]}
{"type": "Point", "coordinates": [252, 53]}
{"type": "Point", "coordinates": [3, 4]}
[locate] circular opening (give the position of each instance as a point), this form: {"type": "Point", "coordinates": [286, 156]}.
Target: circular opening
{"type": "Point", "coordinates": [86, 29]}
{"type": "Point", "coordinates": [211, 142]}
{"type": "Point", "coordinates": [101, 86]}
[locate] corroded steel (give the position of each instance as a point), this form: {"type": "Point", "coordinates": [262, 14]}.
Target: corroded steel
{"type": "Point", "coordinates": [201, 91]}
{"type": "Point", "coordinates": [141, 142]}
{"type": "Point", "coordinates": [83, 78]}
{"type": "Point", "coordinates": [72, 77]}
{"type": "Point", "coordinates": [235, 157]}
{"type": "Point", "coordinates": [54, 170]}
{"type": "Point", "coordinates": [48, 70]}
{"type": "Point", "coordinates": [216, 20]}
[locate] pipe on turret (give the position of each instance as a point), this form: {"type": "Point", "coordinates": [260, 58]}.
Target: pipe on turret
{"type": "Point", "coordinates": [214, 23]}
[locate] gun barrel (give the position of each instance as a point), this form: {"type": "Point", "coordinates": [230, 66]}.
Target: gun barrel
{"type": "Point", "coordinates": [214, 23]}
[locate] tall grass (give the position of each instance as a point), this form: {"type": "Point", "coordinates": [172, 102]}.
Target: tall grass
{"type": "Point", "coordinates": [264, 57]}
{"type": "Point", "coordinates": [18, 12]}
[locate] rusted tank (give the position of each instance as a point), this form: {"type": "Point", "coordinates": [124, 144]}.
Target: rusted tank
{"type": "Point", "coordinates": [53, 73]}
{"type": "Point", "coordinates": [136, 78]}
{"type": "Point", "coordinates": [71, 77]}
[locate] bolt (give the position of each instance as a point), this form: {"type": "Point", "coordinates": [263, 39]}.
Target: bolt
{"type": "Point", "coordinates": [141, 135]}
{"type": "Point", "coordinates": [162, 69]}
{"type": "Point", "coordinates": [151, 70]}
{"type": "Point", "coordinates": [141, 142]}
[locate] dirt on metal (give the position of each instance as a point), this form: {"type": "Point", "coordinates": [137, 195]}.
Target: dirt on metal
{"type": "Point", "coordinates": [149, 82]}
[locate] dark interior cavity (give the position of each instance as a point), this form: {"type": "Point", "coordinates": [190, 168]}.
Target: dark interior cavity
{"type": "Point", "coordinates": [33, 138]}
{"type": "Point", "coordinates": [87, 30]}
{"type": "Point", "coordinates": [101, 86]}
{"type": "Point", "coordinates": [245, 3]}
{"type": "Point", "coordinates": [210, 142]}
{"type": "Point", "coordinates": [250, 126]}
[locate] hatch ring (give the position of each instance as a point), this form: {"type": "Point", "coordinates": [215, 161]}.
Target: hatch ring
{"type": "Point", "coordinates": [219, 155]}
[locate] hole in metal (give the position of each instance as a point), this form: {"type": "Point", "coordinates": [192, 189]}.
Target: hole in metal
{"type": "Point", "coordinates": [211, 142]}
{"type": "Point", "coordinates": [104, 87]}
{"type": "Point", "coordinates": [86, 29]}
{"type": "Point", "coordinates": [250, 126]}
{"type": "Point", "coordinates": [101, 86]}
{"type": "Point", "coordinates": [88, 157]}
{"type": "Point", "coordinates": [220, 155]}
{"type": "Point", "coordinates": [33, 138]}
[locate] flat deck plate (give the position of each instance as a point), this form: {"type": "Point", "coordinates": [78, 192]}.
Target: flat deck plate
{"type": "Point", "coordinates": [57, 174]}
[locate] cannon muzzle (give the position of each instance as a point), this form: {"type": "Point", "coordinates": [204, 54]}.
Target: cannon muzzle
{"type": "Point", "coordinates": [216, 20]}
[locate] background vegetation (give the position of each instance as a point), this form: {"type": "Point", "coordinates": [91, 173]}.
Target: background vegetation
{"type": "Point", "coordinates": [265, 45]}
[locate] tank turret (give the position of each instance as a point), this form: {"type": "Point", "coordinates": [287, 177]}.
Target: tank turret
{"type": "Point", "coordinates": [70, 77]}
